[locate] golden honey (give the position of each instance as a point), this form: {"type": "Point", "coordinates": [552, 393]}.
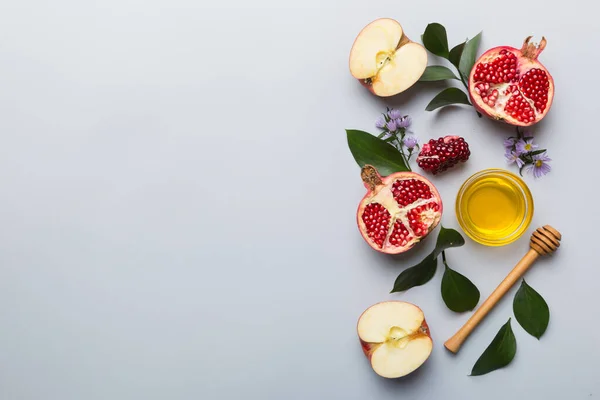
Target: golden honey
{"type": "Point", "coordinates": [494, 207]}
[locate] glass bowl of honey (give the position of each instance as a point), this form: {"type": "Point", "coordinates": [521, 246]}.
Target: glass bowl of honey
{"type": "Point", "coordinates": [494, 207]}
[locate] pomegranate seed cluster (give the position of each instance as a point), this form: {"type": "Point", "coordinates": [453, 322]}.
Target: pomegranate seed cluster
{"type": "Point", "coordinates": [377, 220]}
{"type": "Point", "coordinates": [400, 235]}
{"type": "Point", "coordinates": [408, 191]}
{"type": "Point", "coordinates": [439, 155]}
{"type": "Point", "coordinates": [417, 224]}
{"type": "Point", "coordinates": [518, 107]}
{"type": "Point", "coordinates": [488, 97]}
{"type": "Point", "coordinates": [502, 70]}
{"type": "Point", "coordinates": [535, 85]}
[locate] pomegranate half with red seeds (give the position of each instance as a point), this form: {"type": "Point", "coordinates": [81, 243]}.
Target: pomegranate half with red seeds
{"type": "Point", "coordinates": [511, 85]}
{"type": "Point", "coordinates": [398, 211]}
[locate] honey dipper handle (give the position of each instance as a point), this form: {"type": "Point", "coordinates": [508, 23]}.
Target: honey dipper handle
{"type": "Point", "coordinates": [453, 344]}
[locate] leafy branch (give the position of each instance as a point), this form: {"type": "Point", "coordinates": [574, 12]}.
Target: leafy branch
{"type": "Point", "coordinates": [458, 292]}
{"type": "Point", "coordinates": [462, 57]}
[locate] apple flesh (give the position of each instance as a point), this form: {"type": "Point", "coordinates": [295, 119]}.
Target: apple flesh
{"type": "Point", "coordinates": [395, 338]}
{"type": "Point", "coordinates": [385, 60]}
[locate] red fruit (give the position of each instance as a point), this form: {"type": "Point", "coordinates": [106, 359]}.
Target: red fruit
{"type": "Point", "coordinates": [398, 210]}
{"type": "Point", "coordinates": [512, 85]}
{"type": "Point", "coordinates": [438, 155]}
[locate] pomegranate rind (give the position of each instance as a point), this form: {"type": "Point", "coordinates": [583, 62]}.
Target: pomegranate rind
{"type": "Point", "coordinates": [386, 183]}
{"type": "Point", "coordinates": [525, 64]}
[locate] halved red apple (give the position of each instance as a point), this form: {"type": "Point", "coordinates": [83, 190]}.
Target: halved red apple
{"type": "Point", "coordinates": [395, 338]}
{"type": "Point", "coordinates": [385, 60]}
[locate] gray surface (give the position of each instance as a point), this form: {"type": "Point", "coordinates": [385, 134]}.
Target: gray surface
{"type": "Point", "coordinates": [178, 203]}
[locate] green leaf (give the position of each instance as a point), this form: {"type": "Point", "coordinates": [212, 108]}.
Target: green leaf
{"type": "Point", "coordinates": [435, 39]}
{"type": "Point", "coordinates": [469, 54]}
{"type": "Point", "coordinates": [368, 149]}
{"type": "Point", "coordinates": [418, 275]}
{"type": "Point", "coordinates": [531, 310]}
{"type": "Point", "coordinates": [455, 54]}
{"type": "Point", "coordinates": [536, 152]}
{"type": "Point", "coordinates": [499, 353]}
{"type": "Point", "coordinates": [447, 238]}
{"type": "Point", "coordinates": [458, 292]}
{"type": "Point", "coordinates": [437, 73]}
{"type": "Point", "coordinates": [448, 97]}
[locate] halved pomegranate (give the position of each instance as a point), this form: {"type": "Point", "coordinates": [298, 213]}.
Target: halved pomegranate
{"type": "Point", "coordinates": [512, 85]}
{"type": "Point", "coordinates": [398, 211]}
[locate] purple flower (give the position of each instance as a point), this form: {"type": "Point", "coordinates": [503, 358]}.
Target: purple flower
{"type": "Point", "coordinates": [380, 122]}
{"type": "Point", "coordinates": [512, 157]}
{"type": "Point", "coordinates": [410, 142]}
{"type": "Point", "coordinates": [509, 143]}
{"type": "Point", "coordinates": [525, 146]}
{"type": "Point", "coordinates": [540, 166]}
{"type": "Point", "coordinates": [403, 122]}
{"type": "Point", "coordinates": [391, 125]}
{"type": "Point", "coordinates": [394, 114]}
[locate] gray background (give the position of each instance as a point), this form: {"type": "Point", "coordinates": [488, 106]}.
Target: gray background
{"type": "Point", "coordinates": [178, 203]}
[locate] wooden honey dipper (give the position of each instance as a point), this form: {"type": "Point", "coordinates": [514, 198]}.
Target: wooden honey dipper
{"type": "Point", "coordinates": [544, 241]}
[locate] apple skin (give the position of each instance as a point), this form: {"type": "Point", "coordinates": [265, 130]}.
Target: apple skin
{"type": "Point", "coordinates": [368, 86]}
{"type": "Point", "coordinates": [426, 327]}
{"type": "Point", "coordinates": [368, 348]}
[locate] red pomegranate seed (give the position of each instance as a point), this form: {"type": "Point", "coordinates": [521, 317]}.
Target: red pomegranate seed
{"type": "Point", "coordinates": [400, 235]}
{"type": "Point", "coordinates": [416, 219]}
{"type": "Point", "coordinates": [444, 153]}
{"type": "Point", "coordinates": [377, 220]}
{"type": "Point", "coordinates": [534, 85]}
{"type": "Point", "coordinates": [408, 191]}
{"type": "Point", "coordinates": [518, 107]}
